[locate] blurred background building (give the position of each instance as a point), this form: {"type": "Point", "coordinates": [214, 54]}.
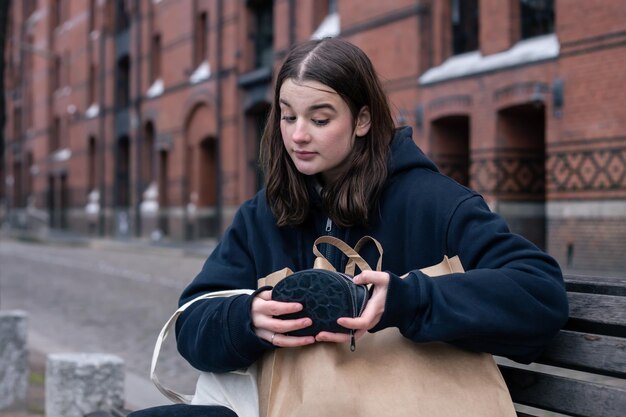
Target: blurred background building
{"type": "Point", "coordinates": [142, 118]}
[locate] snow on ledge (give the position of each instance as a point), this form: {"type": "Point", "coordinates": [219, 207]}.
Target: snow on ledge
{"type": "Point", "coordinates": [203, 72]}
{"type": "Point", "coordinates": [156, 89]}
{"type": "Point", "coordinates": [62, 155]}
{"type": "Point", "coordinates": [329, 28]}
{"type": "Point", "coordinates": [92, 111]}
{"type": "Point", "coordinates": [529, 50]}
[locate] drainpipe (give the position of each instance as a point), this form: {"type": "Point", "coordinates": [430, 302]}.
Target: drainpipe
{"type": "Point", "coordinates": [292, 22]}
{"type": "Point", "coordinates": [218, 119]}
{"type": "Point", "coordinates": [139, 126]}
{"type": "Point", "coordinates": [102, 132]}
{"type": "Point", "coordinates": [21, 135]}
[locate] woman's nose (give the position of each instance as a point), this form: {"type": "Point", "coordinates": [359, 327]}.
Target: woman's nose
{"type": "Point", "coordinates": [300, 133]}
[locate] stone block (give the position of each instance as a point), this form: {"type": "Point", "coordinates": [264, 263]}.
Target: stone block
{"type": "Point", "coordinates": [81, 383]}
{"type": "Point", "coordinates": [13, 358]}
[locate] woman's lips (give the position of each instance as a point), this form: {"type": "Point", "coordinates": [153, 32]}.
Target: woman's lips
{"type": "Point", "coordinates": [304, 155]}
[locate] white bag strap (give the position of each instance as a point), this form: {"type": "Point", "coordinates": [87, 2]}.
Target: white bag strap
{"type": "Point", "coordinates": [172, 395]}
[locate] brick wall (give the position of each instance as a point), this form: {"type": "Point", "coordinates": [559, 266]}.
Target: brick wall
{"type": "Point", "coordinates": [507, 113]}
{"type": "Point", "coordinates": [588, 246]}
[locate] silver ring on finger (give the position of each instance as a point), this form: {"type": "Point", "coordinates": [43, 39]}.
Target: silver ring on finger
{"type": "Point", "coordinates": [272, 339]}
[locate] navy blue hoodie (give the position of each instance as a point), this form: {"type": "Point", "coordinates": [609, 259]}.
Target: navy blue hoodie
{"type": "Point", "coordinates": [510, 302]}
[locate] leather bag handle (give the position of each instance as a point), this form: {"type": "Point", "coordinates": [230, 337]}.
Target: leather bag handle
{"type": "Point", "coordinates": [354, 259]}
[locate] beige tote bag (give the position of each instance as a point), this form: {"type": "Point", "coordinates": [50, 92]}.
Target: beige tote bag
{"type": "Point", "coordinates": [388, 375]}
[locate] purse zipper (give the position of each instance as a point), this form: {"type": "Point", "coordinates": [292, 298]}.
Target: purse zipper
{"type": "Point", "coordinates": [329, 248]}
{"type": "Point", "coordinates": [354, 311]}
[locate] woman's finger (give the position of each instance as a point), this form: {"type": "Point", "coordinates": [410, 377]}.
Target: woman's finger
{"type": "Point", "coordinates": [274, 308]}
{"type": "Point", "coordinates": [338, 337]}
{"type": "Point", "coordinates": [265, 295]}
{"type": "Point", "coordinates": [282, 326]}
{"type": "Point", "coordinates": [332, 337]}
{"type": "Point", "coordinates": [357, 323]}
{"type": "Point", "coordinates": [372, 277]}
{"type": "Point", "coordinates": [283, 340]}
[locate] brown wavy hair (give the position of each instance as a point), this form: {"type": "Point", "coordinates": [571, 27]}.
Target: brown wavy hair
{"type": "Point", "coordinates": [351, 199]}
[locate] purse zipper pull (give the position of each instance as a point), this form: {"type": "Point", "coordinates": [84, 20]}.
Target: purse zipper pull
{"type": "Point", "coordinates": [352, 341]}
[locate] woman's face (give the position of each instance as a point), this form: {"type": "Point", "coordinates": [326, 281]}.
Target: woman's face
{"type": "Point", "coordinates": [317, 128]}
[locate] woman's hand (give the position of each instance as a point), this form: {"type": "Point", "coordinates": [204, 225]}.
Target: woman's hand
{"type": "Point", "coordinates": [272, 329]}
{"type": "Point", "coordinates": [373, 311]}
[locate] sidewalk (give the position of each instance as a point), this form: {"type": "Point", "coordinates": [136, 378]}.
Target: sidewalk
{"type": "Point", "coordinates": [198, 248]}
{"type": "Point", "coordinates": [139, 390]}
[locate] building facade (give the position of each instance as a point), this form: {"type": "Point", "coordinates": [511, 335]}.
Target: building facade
{"type": "Point", "coordinates": [142, 118]}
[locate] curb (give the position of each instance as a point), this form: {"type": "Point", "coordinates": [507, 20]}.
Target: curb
{"type": "Point", "coordinates": [201, 249]}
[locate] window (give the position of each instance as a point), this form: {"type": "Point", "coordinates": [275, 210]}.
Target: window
{"type": "Point", "coordinates": [55, 134]}
{"type": "Point", "coordinates": [57, 13]}
{"type": "Point", "coordinates": [66, 66]}
{"type": "Point", "coordinates": [263, 35]}
{"type": "Point", "coordinates": [109, 11]}
{"type": "Point", "coordinates": [29, 7]}
{"type": "Point", "coordinates": [155, 58]}
{"type": "Point", "coordinates": [28, 91]}
{"type": "Point", "coordinates": [17, 185]}
{"type": "Point", "coordinates": [17, 123]}
{"type": "Point", "coordinates": [122, 17]}
{"type": "Point", "coordinates": [200, 42]}
{"type": "Point", "coordinates": [91, 164]}
{"type": "Point", "coordinates": [92, 15]}
{"type": "Point", "coordinates": [147, 164]}
{"type": "Point", "coordinates": [30, 165]}
{"type": "Point", "coordinates": [332, 6]}
{"type": "Point", "coordinates": [537, 17]}
{"type": "Point", "coordinates": [9, 57]}
{"type": "Point", "coordinates": [122, 196]}
{"type": "Point", "coordinates": [325, 8]}
{"type": "Point", "coordinates": [123, 82]}
{"type": "Point", "coordinates": [464, 26]}
{"type": "Point", "coordinates": [56, 73]}
{"type": "Point", "coordinates": [91, 92]}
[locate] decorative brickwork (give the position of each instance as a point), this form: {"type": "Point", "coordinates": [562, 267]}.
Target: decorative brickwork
{"type": "Point", "coordinates": [456, 170]}
{"type": "Point", "coordinates": [510, 177]}
{"type": "Point", "coordinates": [587, 170]}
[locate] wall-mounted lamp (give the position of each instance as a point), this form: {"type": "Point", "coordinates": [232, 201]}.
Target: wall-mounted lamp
{"type": "Point", "coordinates": [557, 98]}
{"type": "Point", "coordinates": [419, 117]}
{"type": "Point", "coordinates": [401, 119]}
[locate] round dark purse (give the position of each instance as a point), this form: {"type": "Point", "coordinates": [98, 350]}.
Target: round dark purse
{"type": "Point", "coordinates": [325, 296]}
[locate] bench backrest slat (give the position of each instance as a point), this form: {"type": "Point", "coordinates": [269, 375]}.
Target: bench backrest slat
{"type": "Point", "coordinates": [603, 355]}
{"type": "Point", "coordinates": [592, 341]}
{"type": "Point", "coordinates": [594, 285]}
{"type": "Point", "coordinates": [564, 395]}
{"type": "Point", "coordinates": [593, 308]}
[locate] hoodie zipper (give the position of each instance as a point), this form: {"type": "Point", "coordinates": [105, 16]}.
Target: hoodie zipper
{"type": "Point", "coordinates": [329, 232]}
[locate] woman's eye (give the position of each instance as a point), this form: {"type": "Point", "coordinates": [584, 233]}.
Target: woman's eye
{"type": "Point", "coordinates": [289, 119]}
{"type": "Point", "coordinates": [320, 122]}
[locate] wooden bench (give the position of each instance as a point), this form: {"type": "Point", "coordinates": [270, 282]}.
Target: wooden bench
{"type": "Point", "coordinates": [593, 341]}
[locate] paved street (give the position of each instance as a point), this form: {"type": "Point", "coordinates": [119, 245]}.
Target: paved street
{"type": "Point", "coordinates": [112, 299]}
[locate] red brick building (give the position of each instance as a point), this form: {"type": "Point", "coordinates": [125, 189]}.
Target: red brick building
{"type": "Point", "coordinates": [143, 117]}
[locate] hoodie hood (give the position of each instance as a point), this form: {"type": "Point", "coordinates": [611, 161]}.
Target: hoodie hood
{"type": "Point", "coordinates": [405, 154]}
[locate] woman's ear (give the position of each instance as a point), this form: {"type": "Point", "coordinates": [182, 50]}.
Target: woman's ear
{"type": "Point", "coordinates": [363, 122]}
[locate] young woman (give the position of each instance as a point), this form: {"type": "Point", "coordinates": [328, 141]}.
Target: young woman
{"type": "Point", "coordinates": [335, 165]}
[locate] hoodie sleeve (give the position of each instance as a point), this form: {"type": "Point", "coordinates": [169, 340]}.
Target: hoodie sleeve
{"type": "Point", "coordinates": [510, 301]}
{"type": "Point", "coordinates": [216, 335]}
